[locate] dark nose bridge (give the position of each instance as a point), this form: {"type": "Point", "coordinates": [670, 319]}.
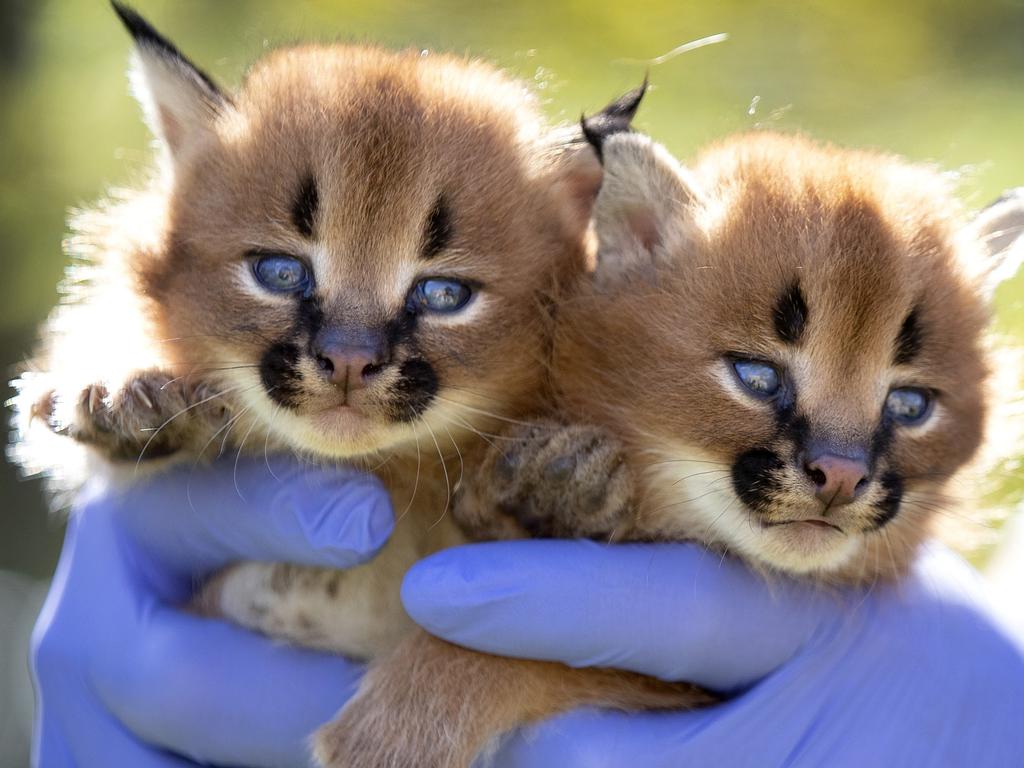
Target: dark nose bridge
{"type": "Point", "coordinates": [349, 344]}
{"type": "Point", "coordinates": [350, 319]}
{"type": "Point", "coordinates": [350, 337]}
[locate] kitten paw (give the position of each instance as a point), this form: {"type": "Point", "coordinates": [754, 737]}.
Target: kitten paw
{"type": "Point", "coordinates": [152, 415]}
{"type": "Point", "coordinates": [549, 480]}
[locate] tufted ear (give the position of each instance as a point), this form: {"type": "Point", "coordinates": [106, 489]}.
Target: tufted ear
{"type": "Point", "coordinates": [1000, 228]}
{"type": "Point", "coordinates": [179, 100]}
{"type": "Point", "coordinates": [578, 171]}
{"type": "Point", "coordinates": [644, 211]}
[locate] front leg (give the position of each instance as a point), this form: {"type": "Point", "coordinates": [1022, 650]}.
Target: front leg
{"type": "Point", "coordinates": [356, 612]}
{"type": "Point", "coordinates": [152, 415]}
{"type": "Point", "coordinates": [549, 480]}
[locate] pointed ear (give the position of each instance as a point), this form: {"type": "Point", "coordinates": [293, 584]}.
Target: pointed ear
{"type": "Point", "coordinates": [1000, 229]}
{"type": "Point", "coordinates": [578, 171]}
{"type": "Point", "coordinates": [644, 212]}
{"type": "Point", "coordinates": [179, 100]}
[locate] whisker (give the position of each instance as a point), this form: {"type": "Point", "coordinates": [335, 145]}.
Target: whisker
{"type": "Point", "coordinates": [238, 456]}
{"type": "Point", "coordinates": [266, 444]}
{"type": "Point", "coordinates": [156, 432]}
{"type": "Point", "coordinates": [415, 482]}
{"type": "Point", "coordinates": [447, 482]}
{"type": "Point", "coordinates": [462, 466]}
{"type": "Point", "coordinates": [698, 474]}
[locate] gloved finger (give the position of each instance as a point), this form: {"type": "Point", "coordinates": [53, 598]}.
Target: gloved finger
{"type": "Point", "coordinates": [73, 730]}
{"type": "Point", "coordinates": [674, 611]}
{"type": "Point", "coordinates": [599, 739]}
{"type": "Point", "coordinates": [196, 519]}
{"type": "Point", "coordinates": [232, 696]}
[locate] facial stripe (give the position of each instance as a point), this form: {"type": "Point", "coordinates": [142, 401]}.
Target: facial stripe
{"type": "Point", "coordinates": [438, 233]}
{"type": "Point", "coordinates": [310, 318]}
{"type": "Point", "coordinates": [305, 206]}
{"type": "Point", "coordinates": [909, 340]}
{"type": "Point", "coordinates": [790, 314]}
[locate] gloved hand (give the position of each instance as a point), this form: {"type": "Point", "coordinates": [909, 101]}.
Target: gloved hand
{"type": "Point", "coordinates": [918, 674]}
{"type": "Point", "coordinates": [127, 680]}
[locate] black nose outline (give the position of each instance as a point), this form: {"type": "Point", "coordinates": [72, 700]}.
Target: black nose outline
{"type": "Point", "coordinates": [350, 356]}
{"type": "Point", "coordinates": [838, 474]}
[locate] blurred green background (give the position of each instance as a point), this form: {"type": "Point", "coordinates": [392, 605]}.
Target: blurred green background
{"type": "Point", "coordinates": [935, 80]}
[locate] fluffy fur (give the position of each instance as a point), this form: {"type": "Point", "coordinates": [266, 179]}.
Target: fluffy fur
{"type": "Point", "coordinates": [376, 170]}
{"type": "Point", "coordinates": [853, 273]}
{"type": "Point", "coordinates": [366, 173]}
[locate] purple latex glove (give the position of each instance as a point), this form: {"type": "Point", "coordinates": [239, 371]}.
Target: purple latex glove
{"type": "Point", "coordinates": [919, 674]}
{"type": "Point", "coordinates": [127, 679]}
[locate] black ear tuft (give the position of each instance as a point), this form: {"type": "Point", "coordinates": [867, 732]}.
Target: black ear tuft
{"type": "Point", "coordinates": [615, 118]}
{"type": "Point", "coordinates": [146, 37]}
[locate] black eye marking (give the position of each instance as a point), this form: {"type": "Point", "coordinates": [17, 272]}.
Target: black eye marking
{"type": "Point", "coordinates": [279, 373]}
{"type": "Point", "coordinates": [439, 229]}
{"type": "Point", "coordinates": [305, 206]}
{"type": "Point", "coordinates": [401, 329]}
{"type": "Point", "coordinates": [310, 316]}
{"type": "Point", "coordinates": [790, 314]}
{"type": "Point", "coordinates": [416, 388]}
{"type": "Point", "coordinates": [909, 340]}
{"type": "Point", "coordinates": [754, 477]}
{"type": "Point", "coordinates": [889, 506]}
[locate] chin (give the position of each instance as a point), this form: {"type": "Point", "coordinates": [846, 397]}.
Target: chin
{"type": "Point", "coordinates": [803, 548]}
{"type": "Point", "coordinates": [338, 433]}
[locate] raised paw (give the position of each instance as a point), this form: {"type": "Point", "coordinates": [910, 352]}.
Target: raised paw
{"type": "Point", "coordinates": [152, 415]}
{"type": "Point", "coordinates": [550, 480]}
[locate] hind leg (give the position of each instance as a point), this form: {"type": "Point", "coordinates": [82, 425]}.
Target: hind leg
{"type": "Point", "coordinates": [431, 704]}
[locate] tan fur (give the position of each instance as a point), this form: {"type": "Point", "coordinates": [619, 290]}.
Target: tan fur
{"type": "Point", "coordinates": [435, 704]}
{"type": "Point", "coordinates": [691, 265]}
{"type": "Point", "coordinates": [168, 318]}
{"type": "Point", "coordinates": [154, 359]}
{"type": "Point", "coordinates": [870, 238]}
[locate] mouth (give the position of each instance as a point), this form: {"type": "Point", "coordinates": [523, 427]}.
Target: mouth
{"type": "Point", "coordinates": [341, 417]}
{"type": "Point", "coordinates": [807, 524]}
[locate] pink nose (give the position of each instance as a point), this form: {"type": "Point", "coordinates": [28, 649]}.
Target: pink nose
{"type": "Point", "coordinates": [837, 479]}
{"type": "Point", "coordinates": [348, 367]}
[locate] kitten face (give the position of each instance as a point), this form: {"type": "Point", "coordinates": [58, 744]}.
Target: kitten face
{"type": "Point", "coordinates": [357, 245]}
{"type": "Point", "coordinates": [803, 343]}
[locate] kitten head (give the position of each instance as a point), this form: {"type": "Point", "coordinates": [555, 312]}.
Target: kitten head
{"type": "Point", "coordinates": [357, 242]}
{"type": "Point", "coordinates": [790, 335]}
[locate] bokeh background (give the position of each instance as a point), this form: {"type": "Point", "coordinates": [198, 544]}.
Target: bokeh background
{"type": "Point", "coordinates": [936, 80]}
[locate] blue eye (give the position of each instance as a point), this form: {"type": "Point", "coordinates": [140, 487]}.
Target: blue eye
{"type": "Point", "coordinates": [762, 379]}
{"type": "Point", "coordinates": [908, 405]}
{"type": "Point", "coordinates": [440, 295]}
{"type": "Point", "coordinates": [281, 274]}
